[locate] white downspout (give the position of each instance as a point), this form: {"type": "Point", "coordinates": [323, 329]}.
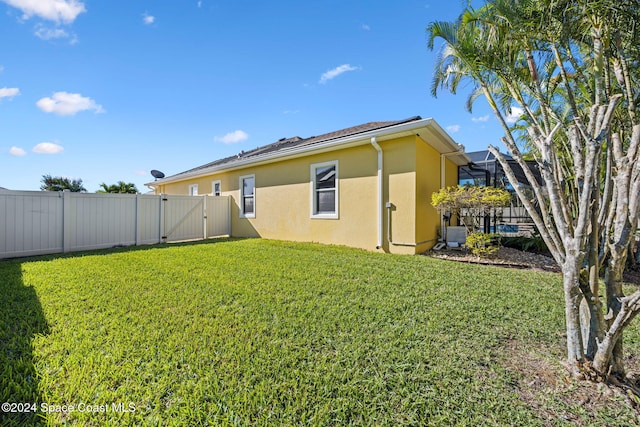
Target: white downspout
{"type": "Point", "coordinates": [380, 192]}
{"type": "Point", "coordinates": [443, 179]}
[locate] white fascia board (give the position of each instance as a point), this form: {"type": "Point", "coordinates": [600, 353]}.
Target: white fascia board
{"type": "Point", "coordinates": [364, 138]}
{"type": "Point", "coordinates": [444, 144]}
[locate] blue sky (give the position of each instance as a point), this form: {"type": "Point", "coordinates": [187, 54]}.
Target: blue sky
{"type": "Point", "coordinates": [105, 91]}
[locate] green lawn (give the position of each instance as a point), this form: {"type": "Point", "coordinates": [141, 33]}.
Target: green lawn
{"type": "Point", "coordinates": [258, 332]}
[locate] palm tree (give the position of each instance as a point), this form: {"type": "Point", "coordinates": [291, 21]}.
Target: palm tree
{"type": "Point", "coordinates": [555, 61]}
{"type": "Point", "coordinates": [58, 183]}
{"type": "Point", "coordinates": [119, 187]}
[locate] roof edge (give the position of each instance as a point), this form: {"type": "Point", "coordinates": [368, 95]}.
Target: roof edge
{"type": "Point", "coordinates": [324, 146]}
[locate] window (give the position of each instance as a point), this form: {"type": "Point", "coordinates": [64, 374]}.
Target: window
{"type": "Point", "coordinates": [324, 190]}
{"type": "Point", "coordinates": [216, 188]}
{"type": "Point", "coordinates": [193, 190]}
{"type": "Point", "coordinates": [247, 196]}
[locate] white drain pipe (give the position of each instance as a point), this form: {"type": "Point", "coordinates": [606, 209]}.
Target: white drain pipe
{"type": "Point", "coordinates": [380, 191]}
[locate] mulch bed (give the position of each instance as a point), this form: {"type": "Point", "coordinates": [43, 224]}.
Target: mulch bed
{"type": "Point", "coordinates": [504, 257]}
{"type": "Point", "coordinates": [514, 258]}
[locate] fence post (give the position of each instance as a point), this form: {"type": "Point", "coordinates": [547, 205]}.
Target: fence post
{"type": "Point", "coordinates": [229, 216]}
{"type": "Point", "coordinates": [137, 219]}
{"type": "Point", "coordinates": [67, 222]}
{"type": "Point", "coordinates": [204, 216]}
{"type": "Point", "coordinates": [161, 236]}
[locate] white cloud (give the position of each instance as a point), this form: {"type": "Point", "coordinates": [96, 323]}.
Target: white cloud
{"type": "Point", "coordinates": [50, 33]}
{"type": "Point", "coordinates": [68, 104]}
{"type": "Point", "coordinates": [332, 74]}
{"type": "Point", "coordinates": [17, 151]}
{"type": "Point", "coordinates": [65, 11]}
{"type": "Point", "coordinates": [514, 115]}
{"type": "Point", "coordinates": [232, 137]}
{"type": "Point", "coordinates": [47, 148]}
{"type": "Point", "coordinates": [365, 27]}
{"type": "Point", "coordinates": [480, 119]}
{"type": "Point", "coordinates": [453, 128]}
{"type": "Point", "coordinates": [148, 19]}
{"type": "Point", "coordinates": [199, 4]}
{"type": "Point", "coordinates": [9, 92]}
{"type": "Point", "coordinates": [45, 33]}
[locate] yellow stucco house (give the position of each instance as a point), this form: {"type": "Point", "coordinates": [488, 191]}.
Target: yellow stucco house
{"type": "Point", "coordinates": [368, 186]}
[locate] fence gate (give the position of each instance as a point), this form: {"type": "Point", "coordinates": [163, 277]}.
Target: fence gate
{"type": "Point", "coordinates": [195, 217]}
{"type": "Point", "coordinates": [184, 218]}
{"type": "Point", "coordinates": [218, 215]}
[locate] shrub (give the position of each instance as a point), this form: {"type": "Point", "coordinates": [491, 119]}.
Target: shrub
{"type": "Point", "coordinates": [470, 200]}
{"type": "Point", "coordinates": [483, 244]}
{"type": "Point", "coordinates": [534, 243]}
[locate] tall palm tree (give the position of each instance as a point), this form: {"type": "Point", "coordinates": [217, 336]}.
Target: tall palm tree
{"type": "Point", "coordinates": [555, 61]}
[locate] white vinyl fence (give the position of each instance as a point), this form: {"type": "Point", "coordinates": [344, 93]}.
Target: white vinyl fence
{"type": "Point", "coordinates": [41, 222]}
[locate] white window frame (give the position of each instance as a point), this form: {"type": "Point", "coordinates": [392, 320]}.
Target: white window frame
{"type": "Point", "coordinates": [314, 208]}
{"type": "Point", "coordinates": [241, 180]}
{"type": "Point", "coordinates": [193, 190]}
{"type": "Point", "coordinates": [213, 187]}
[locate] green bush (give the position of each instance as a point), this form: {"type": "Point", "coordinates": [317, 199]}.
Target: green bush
{"type": "Point", "coordinates": [483, 244]}
{"type": "Point", "coordinates": [528, 244]}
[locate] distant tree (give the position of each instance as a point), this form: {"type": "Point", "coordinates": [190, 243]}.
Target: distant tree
{"type": "Point", "coordinates": [119, 187]}
{"type": "Point", "coordinates": [58, 183]}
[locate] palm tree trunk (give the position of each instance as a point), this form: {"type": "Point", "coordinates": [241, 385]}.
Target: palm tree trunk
{"type": "Point", "coordinates": [613, 283]}
{"type": "Point", "coordinates": [572, 299]}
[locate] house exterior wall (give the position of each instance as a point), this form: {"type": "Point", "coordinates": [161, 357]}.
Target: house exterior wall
{"type": "Point", "coordinates": [283, 197]}
{"type": "Point", "coordinates": [427, 182]}
{"type": "Point", "coordinates": [399, 166]}
{"type": "Point", "coordinates": [451, 173]}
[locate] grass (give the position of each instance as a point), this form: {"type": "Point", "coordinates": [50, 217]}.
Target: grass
{"type": "Point", "coordinates": [258, 332]}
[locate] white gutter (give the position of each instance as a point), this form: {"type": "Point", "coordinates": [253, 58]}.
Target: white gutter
{"type": "Point", "coordinates": [380, 191]}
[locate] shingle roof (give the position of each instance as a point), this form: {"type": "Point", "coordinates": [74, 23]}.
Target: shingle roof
{"type": "Point", "coordinates": [294, 142]}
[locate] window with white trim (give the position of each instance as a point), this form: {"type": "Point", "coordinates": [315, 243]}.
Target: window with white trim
{"type": "Point", "coordinates": [216, 188]}
{"type": "Point", "coordinates": [324, 190]}
{"type": "Point", "coordinates": [248, 196]}
{"type": "Point", "coordinates": [193, 190]}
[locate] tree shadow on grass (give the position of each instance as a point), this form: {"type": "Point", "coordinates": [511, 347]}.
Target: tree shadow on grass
{"type": "Point", "coordinates": [21, 319]}
{"type": "Point", "coordinates": [124, 249]}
